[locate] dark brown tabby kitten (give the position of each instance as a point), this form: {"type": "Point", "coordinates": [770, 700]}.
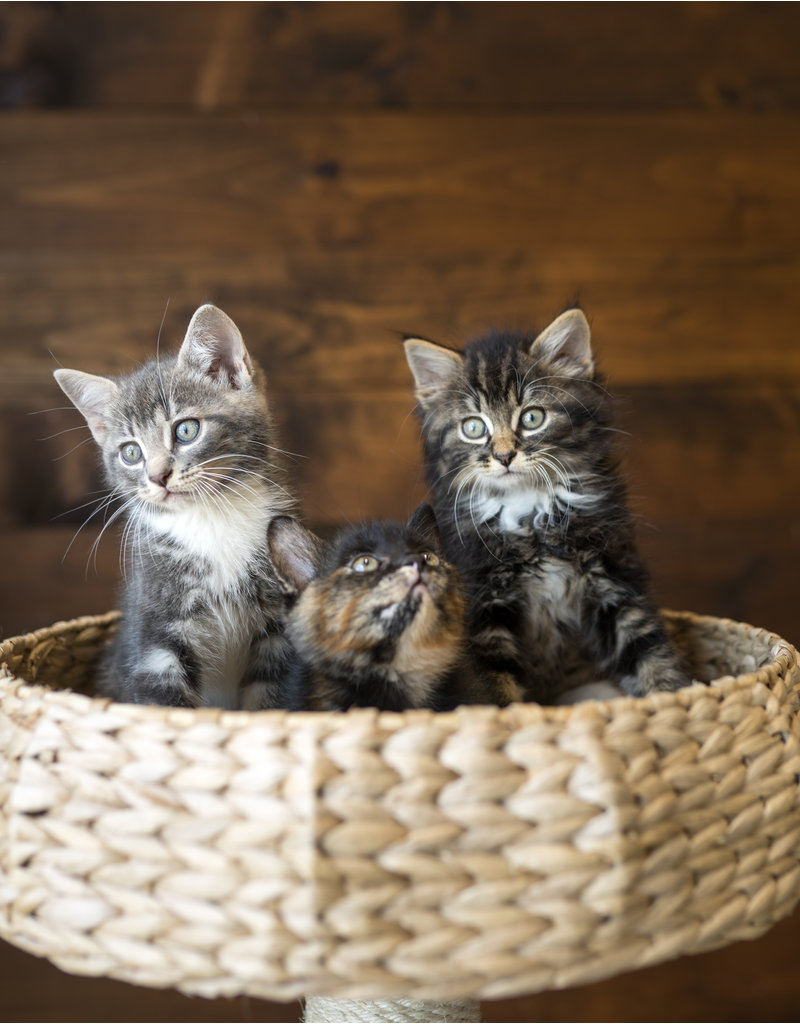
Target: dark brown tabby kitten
{"type": "Point", "coordinates": [533, 511]}
{"type": "Point", "coordinates": [379, 620]}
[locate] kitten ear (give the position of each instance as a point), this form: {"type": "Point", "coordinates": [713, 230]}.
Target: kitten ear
{"type": "Point", "coordinates": [433, 366]}
{"type": "Point", "coordinates": [91, 396]}
{"type": "Point", "coordinates": [295, 551]}
{"type": "Point", "coordinates": [214, 345]}
{"type": "Point", "coordinates": [423, 522]}
{"type": "Point", "coordinates": [566, 345]}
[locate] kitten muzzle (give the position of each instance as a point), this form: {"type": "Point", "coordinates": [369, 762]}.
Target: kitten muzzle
{"type": "Point", "coordinates": [410, 578]}
{"type": "Point", "coordinates": [408, 593]}
{"type": "Point", "coordinates": [160, 477]}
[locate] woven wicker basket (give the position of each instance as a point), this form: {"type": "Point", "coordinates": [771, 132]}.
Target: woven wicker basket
{"type": "Point", "coordinates": [479, 853]}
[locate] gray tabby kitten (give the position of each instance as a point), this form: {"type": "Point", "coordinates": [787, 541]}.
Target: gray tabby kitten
{"type": "Point", "coordinates": [533, 511]}
{"type": "Point", "coordinates": [187, 447]}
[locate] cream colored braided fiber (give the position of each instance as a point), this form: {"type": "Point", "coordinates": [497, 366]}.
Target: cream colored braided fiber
{"type": "Point", "coordinates": [370, 856]}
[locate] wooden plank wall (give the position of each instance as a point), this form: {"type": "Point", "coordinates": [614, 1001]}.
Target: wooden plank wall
{"type": "Point", "coordinates": [336, 174]}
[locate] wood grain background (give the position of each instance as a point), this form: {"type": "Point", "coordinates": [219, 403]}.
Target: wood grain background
{"type": "Point", "coordinates": [336, 174]}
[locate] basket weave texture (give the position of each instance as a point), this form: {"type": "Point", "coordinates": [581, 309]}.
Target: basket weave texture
{"type": "Point", "coordinates": [479, 853]}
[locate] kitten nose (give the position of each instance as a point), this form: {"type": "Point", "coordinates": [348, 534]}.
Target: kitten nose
{"type": "Point", "coordinates": [504, 458]}
{"type": "Point", "coordinates": [161, 477]}
{"type": "Point", "coordinates": [412, 560]}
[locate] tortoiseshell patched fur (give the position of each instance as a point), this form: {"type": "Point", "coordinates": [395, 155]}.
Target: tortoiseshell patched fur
{"type": "Point", "coordinates": [378, 619]}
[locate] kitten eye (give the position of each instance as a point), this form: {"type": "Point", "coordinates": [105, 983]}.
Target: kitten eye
{"type": "Point", "coordinates": [186, 431]}
{"type": "Point", "coordinates": [430, 559]}
{"type": "Point", "coordinates": [130, 453]}
{"type": "Point", "coordinates": [364, 563]}
{"type": "Point", "coordinates": [533, 418]}
{"type": "Point", "coordinates": [473, 428]}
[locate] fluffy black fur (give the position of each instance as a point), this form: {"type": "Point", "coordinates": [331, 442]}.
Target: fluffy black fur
{"type": "Point", "coordinates": [533, 511]}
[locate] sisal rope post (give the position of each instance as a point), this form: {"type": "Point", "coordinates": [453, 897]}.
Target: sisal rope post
{"type": "Point", "coordinates": [324, 1010]}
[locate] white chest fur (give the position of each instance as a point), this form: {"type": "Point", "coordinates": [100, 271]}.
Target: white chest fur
{"type": "Point", "coordinates": [555, 588]}
{"type": "Point", "coordinates": [225, 540]}
{"type": "Point", "coordinates": [227, 544]}
{"type": "Point", "coordinates": [555, 594]}
{"type": "Point", "coordinates": [521, 510]}
{"type": "Point", "coordinates": [517, 511]}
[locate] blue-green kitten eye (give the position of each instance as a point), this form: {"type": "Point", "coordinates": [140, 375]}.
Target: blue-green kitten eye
{"type": "Point", "coordinates": [533, 418]}
{"type": "Point", "coordinates": [130, 453]}
{"type": "Point", "coordinates": [473, 428]}
{"type": "Point", "coordinates": [186, 431]}
{"type": "Point", "coordinates": [364, 563]}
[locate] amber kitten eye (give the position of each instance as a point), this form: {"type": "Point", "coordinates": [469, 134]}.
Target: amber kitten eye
{"type": "Point", "coordinates": [430, 559]}
{"type": "Point", "coordinates": [474, 428]}
{"type": "Point", "coordinates": [130, 453]}
{"type": "Point", "coordinates": [364, 563]}
{"type": "Point", "coordinates": [533, 418]}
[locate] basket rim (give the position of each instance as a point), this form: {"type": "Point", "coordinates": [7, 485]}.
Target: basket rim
{"type": "Point", "coordinates": [780, 650]}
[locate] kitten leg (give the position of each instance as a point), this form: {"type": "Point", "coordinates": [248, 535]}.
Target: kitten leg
{"type": "Point", "coordinates": [159, 678]}
{"type": "Point", "coordinates": [496, 654]}
{"type": "Point", "coordinates": [266, 681]}
{"type": "Point", "coordinates": [631, 643]}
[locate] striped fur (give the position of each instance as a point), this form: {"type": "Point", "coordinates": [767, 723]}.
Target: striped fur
{"type": "Point", "coordinates": [532, 508]}
{"type": "Point", "coordinates": [187, 445]}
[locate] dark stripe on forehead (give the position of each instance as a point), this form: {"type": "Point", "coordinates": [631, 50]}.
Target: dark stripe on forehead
{"type": "Point", "coordinates": [493, 364]}
{"type": "Point", "coordinates": [144, 391]}
{"type": "Point", "coordinates": [142, 410]}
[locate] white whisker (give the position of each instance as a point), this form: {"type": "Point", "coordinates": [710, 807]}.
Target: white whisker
{"type": "Point", "coordinates": [92, 557]}
{"type": "Point", "coordinates": [67, 430]}
{"type": "Point", "coordinates": [80, 444]}
{"type": "Point", "coordinates": [166, 402]}
{"type": "Point", "coordinates": [103, 504]}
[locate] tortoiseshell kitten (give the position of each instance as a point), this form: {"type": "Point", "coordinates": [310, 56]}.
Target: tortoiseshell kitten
{"type": "Point", "coordinates": [378, 620]}
{"type": "Point", "coordinates": [533, 511]}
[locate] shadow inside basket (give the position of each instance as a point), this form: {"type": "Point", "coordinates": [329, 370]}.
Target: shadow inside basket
{"type": "Point", "coordinates": [64, 656]}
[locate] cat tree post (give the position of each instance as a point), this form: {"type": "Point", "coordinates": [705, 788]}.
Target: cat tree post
{"type": "Point", "coordinates": [324, 1010]}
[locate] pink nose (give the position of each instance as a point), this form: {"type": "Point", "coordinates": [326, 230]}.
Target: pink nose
{"type": "Point", "coordinates": [161, 477]}
{"type": "Point", "coordinates": [504, 458]}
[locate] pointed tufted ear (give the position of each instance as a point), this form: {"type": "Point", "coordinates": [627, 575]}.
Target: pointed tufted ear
{"type": "Point", "coordinates": [566, 345]}
{"type": "Point", "coordinates": [433, 366]}
{"type": "Point", "coordinates": [214, 346]}
{"type": "Point", "coordinates": [423, 522]}
{"type": "Point", "coordinates": [91, 396]}
{"type": "Point", "coordinates": [295, 552]}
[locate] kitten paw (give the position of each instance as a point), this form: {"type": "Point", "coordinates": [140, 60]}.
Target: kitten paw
{"type": "Point", "coordinates": [665, 679]}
